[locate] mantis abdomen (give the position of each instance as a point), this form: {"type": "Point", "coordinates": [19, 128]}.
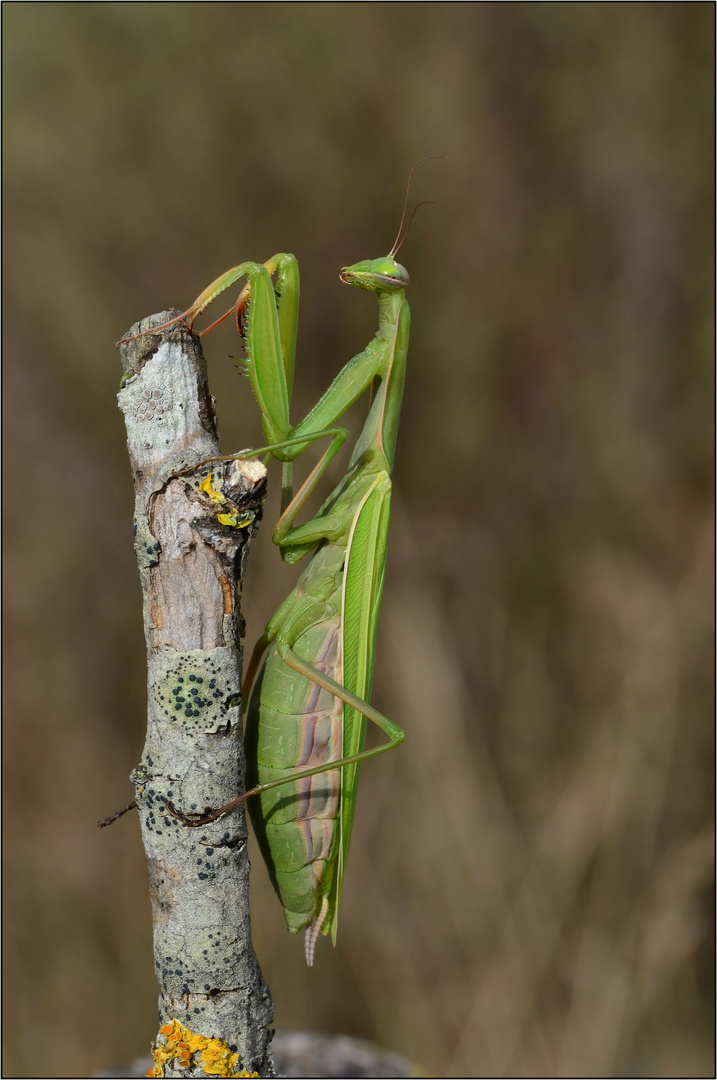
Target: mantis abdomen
{"type": "Point", "coordinates": [293, 724]}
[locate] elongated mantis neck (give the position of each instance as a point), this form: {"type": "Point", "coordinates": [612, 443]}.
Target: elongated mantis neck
{"type": "Point", "coordinates": [389, 305]}
{"type": "Point", "coordinates": [378, 436]}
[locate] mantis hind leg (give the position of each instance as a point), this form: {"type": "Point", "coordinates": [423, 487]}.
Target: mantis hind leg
{"type": "Point", "coordinates": [395, 734]}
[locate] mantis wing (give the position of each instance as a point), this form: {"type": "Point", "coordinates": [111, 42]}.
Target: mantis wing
{"type": "Point", "coordinates": [363, 583]}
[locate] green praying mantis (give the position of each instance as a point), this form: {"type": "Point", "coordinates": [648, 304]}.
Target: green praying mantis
{"type": "Point", "coordinates": [309, 703]}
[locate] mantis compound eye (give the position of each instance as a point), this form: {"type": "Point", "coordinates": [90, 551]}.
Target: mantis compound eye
{"type": "Point", "coordinates": [400, 275]}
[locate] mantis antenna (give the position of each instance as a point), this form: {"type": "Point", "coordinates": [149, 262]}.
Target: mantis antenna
{"type": "Point", "coordinates": [399, 239]}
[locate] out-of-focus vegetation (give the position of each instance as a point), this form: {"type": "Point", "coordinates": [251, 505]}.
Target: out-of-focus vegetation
{"type": "Point", "coordinates": [529, 889]}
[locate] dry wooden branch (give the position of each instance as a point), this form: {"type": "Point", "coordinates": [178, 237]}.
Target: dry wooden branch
{"type": "Point", "coordinates": [193, 525]}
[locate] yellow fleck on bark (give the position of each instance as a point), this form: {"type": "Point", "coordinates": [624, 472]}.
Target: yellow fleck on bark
{"type": "Point", "coordinates": [177, 1043]}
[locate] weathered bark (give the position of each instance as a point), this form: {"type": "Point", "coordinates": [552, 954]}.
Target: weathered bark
{"type": "Point", "coordinates": [191, 565]}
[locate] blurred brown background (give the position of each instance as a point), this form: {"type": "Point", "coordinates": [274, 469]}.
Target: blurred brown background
{"type": "Point", "coordinates": [529, 891]}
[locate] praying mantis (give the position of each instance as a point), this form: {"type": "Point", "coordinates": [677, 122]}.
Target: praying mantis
{"type": "Point", "coordinates": [309, 704]}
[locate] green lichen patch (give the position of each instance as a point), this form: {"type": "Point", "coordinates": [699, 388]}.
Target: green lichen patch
{"type": "Point", "coordinates": [195, 690]}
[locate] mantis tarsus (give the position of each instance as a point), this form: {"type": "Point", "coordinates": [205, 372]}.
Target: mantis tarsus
{"type": "Point", "coordinates": [309, 705]}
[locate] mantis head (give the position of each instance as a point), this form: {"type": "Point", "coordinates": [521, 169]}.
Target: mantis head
{"type": "Point", "coordinates": [386, 275]}
{"type": "Point", "coordinates": [376, 275]}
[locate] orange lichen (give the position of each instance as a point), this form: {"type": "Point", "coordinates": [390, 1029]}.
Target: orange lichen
{"type": "Point", "coordinates": [179, 1044]}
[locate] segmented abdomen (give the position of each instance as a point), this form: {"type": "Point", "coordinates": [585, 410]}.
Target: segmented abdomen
{"type": "Point", "coordinates": [295, 724]}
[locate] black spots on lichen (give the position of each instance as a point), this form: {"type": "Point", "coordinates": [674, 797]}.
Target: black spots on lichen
{"type": "Point", "coordinates": [153, 551]}
{"type": "Point", "coordinates": [208, 873]}
{"type": "Point", "coordinates": [230, 843]}
{"type": "Point", "coordinates": [194, 693]}
{"type": "Point", "coordinates": [173, 968]}
{"type": "Point", "coordinates": [157, 820]}
{"type": "Point", "coordinates": [180, 979]}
